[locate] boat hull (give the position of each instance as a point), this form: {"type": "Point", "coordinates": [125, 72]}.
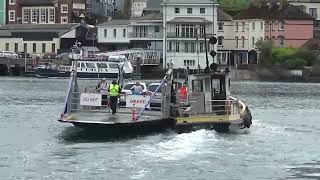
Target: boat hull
{"type": "Point", "coordinates": [139, 127]}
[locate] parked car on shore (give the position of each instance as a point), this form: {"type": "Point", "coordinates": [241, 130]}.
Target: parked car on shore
{"type": "Point", "coordinates": [8, 54]}
{"type": "Point", "coordinates": [126, 90]}
{"type": "Point", "coordinates": [23, 55]}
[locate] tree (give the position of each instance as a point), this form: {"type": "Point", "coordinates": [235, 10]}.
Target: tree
{"type": "Point", "coordinates": [265, 49]}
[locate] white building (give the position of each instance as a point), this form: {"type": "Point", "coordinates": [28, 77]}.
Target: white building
{"type": "Point", "coordinates": [183, 23]}
{"type": "Point", "coordinates": [114, 34]}
{"type": "Point", "coordinates": [137, 7]}
{"type": "Point", "coordinates": [311, 7]}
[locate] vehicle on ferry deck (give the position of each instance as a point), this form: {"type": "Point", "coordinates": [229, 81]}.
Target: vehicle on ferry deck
{"type": "Point", "coordinates": [126, 90]}
{"type": "Point", "coordinates": [156, 101]}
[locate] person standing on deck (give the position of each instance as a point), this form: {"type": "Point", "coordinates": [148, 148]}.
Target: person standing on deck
{"type": "Point", "coordinates": [136, 89]}
{"type": "Point", "coordinates": [114, 93]}
{"type": "Point", "coordinates": [183, 93]}
{"type": "Point", "coordinates": [103, 87]}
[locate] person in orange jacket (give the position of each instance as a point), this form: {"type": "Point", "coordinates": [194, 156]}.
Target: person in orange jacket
{"type": "Point", "coordinates": [183, 93]}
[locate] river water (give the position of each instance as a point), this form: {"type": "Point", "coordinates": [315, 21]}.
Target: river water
{"type": "Point", "coordinates": [283, 142]}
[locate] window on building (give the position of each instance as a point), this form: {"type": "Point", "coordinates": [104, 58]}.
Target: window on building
{"type": "Point", "coordinates": [177, 30]}
{"type": "Point", "coordinates": [51, 15]}
{"type": "Point", "coordinates": [177, 10]}
{"type": "Point", "coordinates": [34, 18]}
{"type": "Point", "coordinates": [170, 46]}
{"type": "Point", "coordinates": [253, 41]}
{"type": "Point", "coordinates": [124, 32]}
{"type": "Point", "coordinates": [114, 33]}
{"type": "Point", "coordinates": [272, 25]}
{"type": "Point", "coordinates": [313, 12]}
{"type": "Point", "coordinates": [242, 40]}
{"type": "Point", "coordinates": [186, 47]}
{"type": "Point", "coordinates": [43, 16]}
{"type": "Point", "coordinates": [25, 47]}
{"type": "Point", "coordinates": [105, 33]}
{"type": "Point", "coordinates": [267, 26]}
{"type": "Point", "coordinates": [237, 26]}
{"type": "Point", "coordinates": [157, 29]}
{"type": "Point", "coordinates": [34, 47]}
{"type": "Point", "coordinates": [53, 47]}
{"type": "Point", "coordinates": [177, 47]}
{"type": "Point", "coordinates": [12, 2]}
{"type": "Point", "coordinates": [237, 41]}
{"type": "Point", "coordinates": [220, 26]}
{"type": "Point", "coordinates": [64, 20]}
{"type": "Point", "coordinates": [243, 26]}
{"type": "Point", "coordinates": [64, 8]}
{"type": "Point", "coordinates": [201, 47]}
{"type": "Point", "coordinates": [15, 47]}
{"type": "Point", "coordinates": [7, 46]}
{"type": "Point", "coordinates": [261, 26]}
{"type": "Point", "coordinates": [220, 41]}
{"type": "Point", "coordinates": [44, 48]}
{"type": "Point", "coordinates": [202, 10]}
{"type": "Point", "coordinates": [281, 40]}
{"type": "Point", "coordinates": [193, 47]}
{"type": "Point", "coordinates": [189, 10]}
{"type": "Point", "coordinates": [188, 63]}
{"type": "Point", "coordinates": [281, 25]}
{"type": "Point", "coordinates": [253, 25]}
{"type": "Point", "coordinates": [12, 15]}
{"type": "Point", "coordinates": [25, 15]}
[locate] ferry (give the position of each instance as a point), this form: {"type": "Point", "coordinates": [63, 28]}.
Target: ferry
{"type": "Point", "coordinates": [85, 69]}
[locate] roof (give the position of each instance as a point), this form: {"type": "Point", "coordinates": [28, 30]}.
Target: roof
{"type": "Point", "coordinates": [312, 44]}
{"type": "Point", "coordinates": [223, 16]}
{"type": "Point", "coordinates": [36, 27]}
{"type": "Point", "coordinates": [264, 12]}
{"type": "Point", "coordinates": [38, 2]}
{"type": "Point", "coordinates": [190, 1]}
{"type": "Point", "coordinates": [115, 22]}
{"type": "Point", "coordinates": [152, 16]}
{"type": "Point", "coordinates": [10, 29]}
{"type": "Point", "coordinates": [188, 20]}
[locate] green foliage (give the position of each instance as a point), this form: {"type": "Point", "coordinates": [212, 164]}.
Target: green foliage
{"type": "Point", "coordinates": [234, 4]}
{"type": "Point", "coordinates": [119, 15]}
{"type": "Point", "coordinates": [290, 58]}
{"type": "Point", "coordinates": [295, 63]}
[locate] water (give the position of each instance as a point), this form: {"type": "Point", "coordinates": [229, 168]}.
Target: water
{"type": "Point", "coordinates": [282, 143]}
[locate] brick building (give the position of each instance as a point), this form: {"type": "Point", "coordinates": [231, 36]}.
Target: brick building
{"type": "Point", "coordinates": [45, 11]}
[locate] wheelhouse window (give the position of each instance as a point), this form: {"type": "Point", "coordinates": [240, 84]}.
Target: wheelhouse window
{"type": "Point", "coordinates": [220, 26]}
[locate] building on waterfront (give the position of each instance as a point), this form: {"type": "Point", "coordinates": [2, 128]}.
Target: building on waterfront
{"type": "Point", "coordinates": [45, 11]}
{"type": "Point", "coordinates": [3, 12]}
{"type": "Point", "coordinates": [183, 24]}
{"type": "Point", "coordinates": [137, 7]}
{"type": "Point", "coordinates": [41, 38]}
{"type": "Point", "coordinates": [312, 7]}
{"type": "Point", "coordinates": [286, 26]}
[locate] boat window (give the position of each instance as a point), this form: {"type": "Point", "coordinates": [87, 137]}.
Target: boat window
{"type": "Point", "coordinates": [113, 66]}
{"type": "Point", "coordinates": [82, 65]}
{"type": "Point", "coordinates": [102, 65]}
{"type": "Point", "coordinates": [207, 85]}
{"type": "Point", "coordinates": [197, 86]}
{"type": "Point", "coordinates": [90, 65]}
{"type": "Point", "coordinates": [78, 64]}
{"type": "Point", "coordinates": [216, 85]}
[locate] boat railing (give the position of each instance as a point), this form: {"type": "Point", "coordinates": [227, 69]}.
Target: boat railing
{"type": "Point", "coordinates": [217, 107]}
